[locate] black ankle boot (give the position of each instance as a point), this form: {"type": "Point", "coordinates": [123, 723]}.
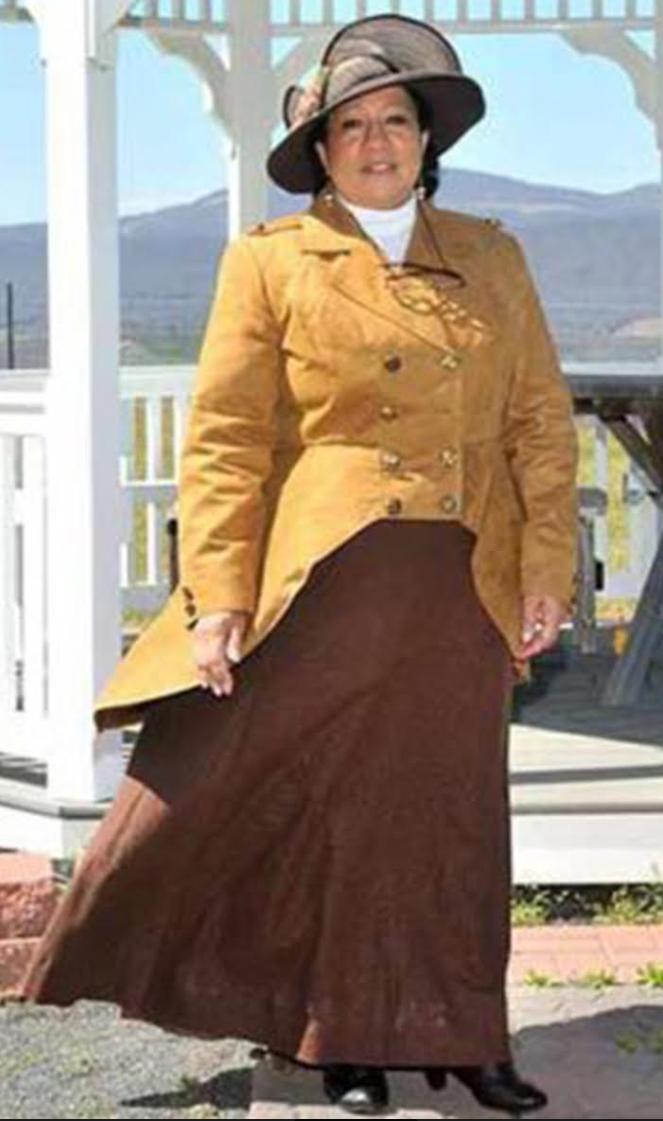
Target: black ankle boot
{"type": "Point", "coordinates": [494, 1085]}
{"type": "Point", "coordinates": [359, 1089]}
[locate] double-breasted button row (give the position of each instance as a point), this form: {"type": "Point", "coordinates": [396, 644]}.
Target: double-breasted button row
{"type": "Point", "coordinates": [393, 363]}
{"type": "Point", "coordinates": [448, 457]}
{"type": "Point", "coordinates": [189, 606]}
{"type": "Point", "coordinates": [388, 412]}
{"type": "Point", "coordinates": [450, 360]}
{"type": "Point", "coordinates": [393, 506]}
{"type": "Point", "coordinates": [390, 460]}
{"type": "Point", "coordinates": [450, 503]}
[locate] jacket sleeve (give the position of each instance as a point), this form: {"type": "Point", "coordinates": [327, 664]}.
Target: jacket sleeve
{"type": "Point", "coordinates": [226, 456]}
{"type": "Point", "coordinates": [542, 446]}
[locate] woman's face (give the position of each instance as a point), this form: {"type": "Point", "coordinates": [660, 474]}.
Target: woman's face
{"type": "Point", "coordinates": [374, 148]}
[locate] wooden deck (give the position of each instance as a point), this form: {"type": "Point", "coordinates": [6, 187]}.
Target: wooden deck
{"type": "Point", "coordinates": [586, 779]}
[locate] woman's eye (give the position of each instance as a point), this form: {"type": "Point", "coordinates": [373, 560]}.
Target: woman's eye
{"type": "Point", "coordinates": [350, 123]}
{"type": "Point", "coordinates": [398, 119]}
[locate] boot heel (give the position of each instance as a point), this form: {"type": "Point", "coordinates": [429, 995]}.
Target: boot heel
{"type": "Point", "coordinates": [436, 1077]}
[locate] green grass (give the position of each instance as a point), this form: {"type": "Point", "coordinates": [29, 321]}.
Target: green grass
{"type": "Point", "coordinates": [651, 975]}
{"type": "Point", "coordinates": [630, 1043]}
{"type": "Point", "coordinates": [538, 980]}
{"type": "Point", "coordinates": [611, 904]}
{"type": "Point", "coordinates": [597, 979]}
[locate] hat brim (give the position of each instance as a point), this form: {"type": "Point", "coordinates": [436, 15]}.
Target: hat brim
{"type": "Point", "coordinates": [455, 102]}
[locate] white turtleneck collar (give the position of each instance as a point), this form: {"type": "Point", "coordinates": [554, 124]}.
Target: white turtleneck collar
{"type": "Point", "coordinates": [391, 228]}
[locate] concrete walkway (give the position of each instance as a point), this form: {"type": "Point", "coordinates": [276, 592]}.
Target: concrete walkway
{"type": "Point", "coordinates": [597, 1055]}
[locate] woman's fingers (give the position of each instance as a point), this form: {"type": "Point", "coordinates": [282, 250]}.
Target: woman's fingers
{"type": "Point", "coordinates": [542, 618]}
{"type": "Point", "coordinates": [216, 675]}
{"type": "Point", "coordinates": [217, 646]}
{"type": "Point", "coordinates": [234, 645]}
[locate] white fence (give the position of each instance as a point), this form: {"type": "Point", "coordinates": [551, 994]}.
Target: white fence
{"type": "Point", "coordinates": [154, 408]}
{"type": "Point", "coordinates": [298, 16]}
{"type": "Point", "coordinates": [465, 14]}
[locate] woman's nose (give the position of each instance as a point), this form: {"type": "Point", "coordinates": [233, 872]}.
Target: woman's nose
{"type": "Point", "coordinates": [375, 132]}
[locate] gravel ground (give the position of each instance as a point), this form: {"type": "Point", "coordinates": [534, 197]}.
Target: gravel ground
{"type": "Point", "coordinates": [84, 1061]}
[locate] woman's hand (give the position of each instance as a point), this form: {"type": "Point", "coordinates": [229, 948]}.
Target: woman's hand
{"type": "Point", "coordinates": [216, 644]}
{"type": "Point", "coordinates": [542, 618]}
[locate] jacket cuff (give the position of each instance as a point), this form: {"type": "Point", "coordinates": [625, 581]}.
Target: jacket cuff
{"type": "Point", "coordinates": [206, 597]}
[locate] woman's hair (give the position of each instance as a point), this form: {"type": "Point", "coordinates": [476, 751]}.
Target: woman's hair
{"type": "Point", "coordinates": [430, 171]}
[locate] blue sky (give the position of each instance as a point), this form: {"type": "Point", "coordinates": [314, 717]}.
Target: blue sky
{"type": "Point", "coordinates": [554, 116]}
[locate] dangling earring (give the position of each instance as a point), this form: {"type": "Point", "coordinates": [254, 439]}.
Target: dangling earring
{"type": "Point", "coordinates": [420, 189]}
{"type": "Point", "coordinates": [328, 193]}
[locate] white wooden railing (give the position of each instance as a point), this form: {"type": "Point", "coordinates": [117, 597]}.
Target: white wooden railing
{"type": "Point", "coordinates": [301, 16]}
{"type": "Point", "coordinates": [298, 16]}
{"type": "Point", "coordinates": [464, 15]}
{"type": "Point", "coordinates": [154, 408]}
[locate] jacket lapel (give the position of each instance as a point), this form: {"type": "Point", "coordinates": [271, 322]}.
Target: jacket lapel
{"type": "Point", "coordinates": [427, 296]}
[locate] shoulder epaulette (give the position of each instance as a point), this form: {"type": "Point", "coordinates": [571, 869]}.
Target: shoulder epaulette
{"type": "Point", "coordinates": [274, 226]}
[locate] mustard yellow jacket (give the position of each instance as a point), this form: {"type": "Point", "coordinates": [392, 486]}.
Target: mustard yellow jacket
{"type": "Point", "coordinates": [332, 391]}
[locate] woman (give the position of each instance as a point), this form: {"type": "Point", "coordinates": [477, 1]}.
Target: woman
{"type": "Point", "coordinates": [377, 532]}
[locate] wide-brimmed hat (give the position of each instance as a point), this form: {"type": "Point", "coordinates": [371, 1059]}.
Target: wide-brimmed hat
{"type": "Point", "coordinates": [368, 55]}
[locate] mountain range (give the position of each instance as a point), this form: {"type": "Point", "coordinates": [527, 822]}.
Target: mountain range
{"type": "Point", "coordinates": [596, 259]}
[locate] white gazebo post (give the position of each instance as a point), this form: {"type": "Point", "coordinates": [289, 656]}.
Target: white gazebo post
{"type": "Point", "coordinates": [251, 98]}
{"type": "Point", "coordinates": [658, 70]}
{"type": "Point", "coordinates": [83, 496]}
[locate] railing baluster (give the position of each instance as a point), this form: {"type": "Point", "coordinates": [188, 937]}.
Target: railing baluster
{"type": "Point", "coordinates": [151, 542]}
{"type": "Point", "coordinates": [602, 480]}
{"type": "Point", "coordinates": [180, 410]}
{"type": "Point", "coordinates": [7, 577]}
{"type": "Point", "coordinates": [33, 577]}
{"type": "Point", "coordinates": [152, 437]}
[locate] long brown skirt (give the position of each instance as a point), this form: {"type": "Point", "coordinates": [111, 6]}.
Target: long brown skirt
{"type": "Point", "coordinates": [319, 863]}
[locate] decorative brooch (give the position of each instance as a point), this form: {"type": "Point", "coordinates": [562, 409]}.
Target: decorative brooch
{"type": "Point", "coordinates": [420, 290]}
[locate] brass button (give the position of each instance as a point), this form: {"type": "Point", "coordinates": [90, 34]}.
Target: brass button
{"type": "Point", "coordinates": [390, 460]}
{"type": "Point", "coordinates": [190, 609]}
{"type": "Point", "coordinates": [388, 412]}
{"type": "Point", "coordinates": [449, 503]}
{"type": "Point", "coordinates": [394, 506]}
{"type": "Point", "coordinates": [448, 456]}
{"type": "Point", "coordinates": [450, 360]}
{"type": "Point", "coordinates": [393, 363]}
